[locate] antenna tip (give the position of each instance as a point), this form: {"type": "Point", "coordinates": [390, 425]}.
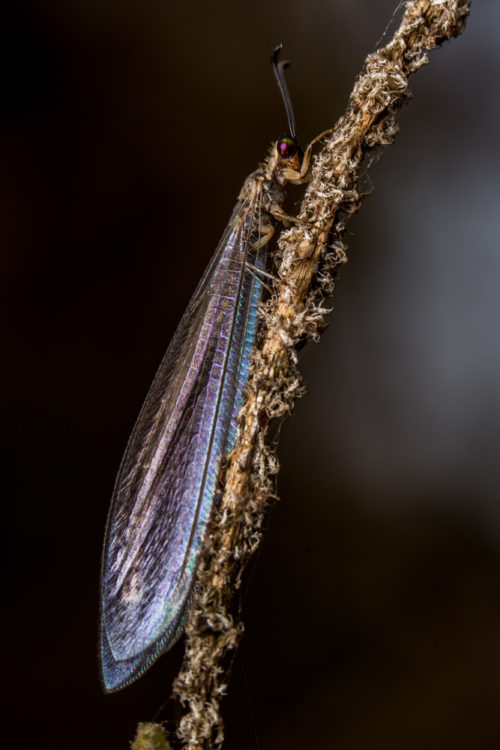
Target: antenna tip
{"type": "Point", "coordinates": [275, 53]}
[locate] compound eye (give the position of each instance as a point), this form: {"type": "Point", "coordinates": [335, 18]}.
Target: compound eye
{"type": "Point", "coordinates": [287, 147]}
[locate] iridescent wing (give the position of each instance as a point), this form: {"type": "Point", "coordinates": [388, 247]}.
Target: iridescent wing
{"type": "Point", "coordinates": [166, 483]}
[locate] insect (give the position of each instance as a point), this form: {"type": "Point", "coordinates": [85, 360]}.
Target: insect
{"type": "Point", "coordinates": [165, 488]}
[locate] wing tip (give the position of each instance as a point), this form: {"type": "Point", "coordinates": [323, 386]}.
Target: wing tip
{"type": "Point", "coordinates": [118, 673]}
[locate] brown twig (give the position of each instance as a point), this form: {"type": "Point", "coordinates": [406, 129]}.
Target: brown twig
{"type": "Point", "coordinates": [309, 254]}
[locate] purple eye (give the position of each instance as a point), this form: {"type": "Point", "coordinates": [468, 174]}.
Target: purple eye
{"type": "Point", "coordinates": [287, 147]}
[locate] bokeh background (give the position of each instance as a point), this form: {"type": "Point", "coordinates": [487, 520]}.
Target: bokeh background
{"type": "Point", "coordinates": [373, 611]}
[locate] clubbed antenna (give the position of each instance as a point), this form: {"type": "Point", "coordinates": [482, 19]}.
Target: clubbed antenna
{"type": "Point", "coordinates": [278, 69]}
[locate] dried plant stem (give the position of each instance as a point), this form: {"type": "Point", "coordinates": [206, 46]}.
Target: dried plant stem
{"type": "Point", "coordinates": [309, 253]}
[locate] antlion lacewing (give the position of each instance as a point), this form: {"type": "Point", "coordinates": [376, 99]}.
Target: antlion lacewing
{"type": "Point", "coordinates": [166, 483]}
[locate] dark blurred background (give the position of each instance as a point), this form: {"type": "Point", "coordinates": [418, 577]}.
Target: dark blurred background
{"type": "Point", "coordinates": [373, 611]}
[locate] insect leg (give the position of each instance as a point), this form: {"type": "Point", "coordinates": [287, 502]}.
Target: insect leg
{"type": "Point", "coordinates": [297, 177]}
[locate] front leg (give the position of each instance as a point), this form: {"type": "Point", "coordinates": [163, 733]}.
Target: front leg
{"type": "Point", "coordinates": [298, 177]}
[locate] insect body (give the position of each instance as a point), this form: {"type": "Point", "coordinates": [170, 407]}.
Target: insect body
{"type": "Point", "coordinates": [165, 487]}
